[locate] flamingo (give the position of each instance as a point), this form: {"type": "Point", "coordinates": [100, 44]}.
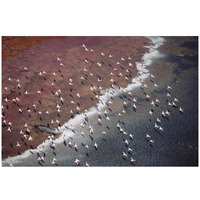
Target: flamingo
{"type": "Point", "coordinates": [169, 95]}
{"type": "Point", "coordinates": [87, 165]}
{"type": "Point", "coordinates": [126, 142]}
{"type": "Point", "coordinates": [169, 87]}
{"type": "Point", "coordinates": [95, 145]}
{"type": "Point", "coordinates": [180, 109]}
{"type": "Point", "coordinates": [77, 161]}
{"type": "Point", "coordinates": [176, 100]}
{"type": "Point", "coordinates": [158, 120]}
{"type": "Point", "coordinates": [9, 129]}
{"type": "Point", "coordinates": [132, 160]}
{"type": "Point", "coordinates": [148, 136]}
{"type": "Point", "coordinates": [129, 150]}
{"type": "Point", "coordinates": [152, 103]}
{"type": "Point", "coordinates": [147, 96]}
{"type": "Point", "coordinates": [124, 154]}
{"type": "Point", "coordinates": [131, 136]}
{"type": "Point", "coordinates": [156, 126]}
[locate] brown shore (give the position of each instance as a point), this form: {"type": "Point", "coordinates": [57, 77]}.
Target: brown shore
{"type": "Point", "coordinates": [40, 54]}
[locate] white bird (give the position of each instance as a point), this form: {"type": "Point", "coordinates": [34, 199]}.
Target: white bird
{"type": "Point", "coordinates": [131, 136]}
{"type": "Point", "coordinates": [151, 141]}
{"type": "Point", "coordinates": [129, 149]}
{"type": "Point", "coordinates": [134, 106]}
{"type": "Point", "coordinates": [18, 145]}
{"type": "Point", "coordinates": [180, 109]}
{"type": "Point", "coordinates": [152, 76]}
{"type": "Point", "coordinates": [82, 133]}
{"type": "Point", "coordinates": [47, 112]}
{"type": "Point", "coordinates": [26, 92]}
{"type": "Point", "coordinates": [9, 129]}
{"type": "Point", "coordinates": [155, 85]}
{"type": "Point", "coordinates": [134, 100]}
{"type": "Point", "coordinates": [58, 59]}
{"type": "Point", "coordinates": [87, 165]}
{"type": "Point", "coordinates": [132, 160]}
{"type": "Point", "coordinates": [160, 128]}
{"type": "Point", "coordinates": [108, 118]}
{"type": "Point", "coordinates": [20, 110]}
{"type": "Point", "coordinates": [54, 161]}
{"type": "Point", "coordinates": [148, 136]}
{"type": "Point", "coordinates": [77, 161]}
{"type": "Point", "coordinates": [126, 142]}
{"type": "Point", "coordinates": [157, 101]}
{"type": "Point", "coordinates": [158, 120]}
{"type": "Point", "coordinates": [30, 138]}
{"type": "Point", "coordinates": [163, 113]}
{"type": "Point", "coordinates": [147, 96]}
{"type": "Point", "coordinates": [103, 132]}
{"type": "Point", "coordinates": [102, 54]}
{"type": "Point", "coordinates": [98, 64]}
{"type": "Point", "coordinates": [175, 99]}
{"type": "Point", "coordinates": [130, 64]}
{"type": "Point", "coordinates": [78, 95]}
{"type": "Point", "coordinates": [152, 103]}
{"type": "Point", "coordinates": [122, 59]}
{"type": "Point", "coordinates": [123, 111]}
{"type": "Point", "coordinates": [110, 56]}
{"type": "Point", "coordinates": [169, 87]}
{"type": "Point", "coordinates": [156, 126]}
{"type": "Point", "coordinates": [167, 112]}
{"type": "Point", "coordinates": [169, 95]}
{"type": "Point", "coordinates": [6, 99]}
{"type": "Point", "coordinates": [6, 88]}
{"type": "Point", "coordinates": [124, 154]}
{"type": "Point", "coordinates": [95, 145]}
{"type": "Point", "coordinates": [75, 146]}
{"type": "Point", "coordinates": [150, 112]}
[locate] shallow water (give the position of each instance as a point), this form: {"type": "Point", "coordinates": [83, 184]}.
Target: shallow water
{"type": "Point", "coordinates": [176, 146]}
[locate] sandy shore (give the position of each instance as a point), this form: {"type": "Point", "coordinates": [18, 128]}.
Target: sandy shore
{"type": "Point", "coordinates": [25, 58]}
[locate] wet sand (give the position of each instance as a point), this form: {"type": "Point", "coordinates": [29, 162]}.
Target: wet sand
{"type": "Point", "coordinates": [176, 146]}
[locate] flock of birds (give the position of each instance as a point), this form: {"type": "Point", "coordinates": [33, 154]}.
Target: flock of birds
{"type": "Point", "coordinates": [102, 115]}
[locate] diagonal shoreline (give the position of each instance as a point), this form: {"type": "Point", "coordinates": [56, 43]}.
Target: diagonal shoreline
{"type": "Point", "coordinates": [147, 59]}
{"type": "Point", "coordinates": [36, 59]}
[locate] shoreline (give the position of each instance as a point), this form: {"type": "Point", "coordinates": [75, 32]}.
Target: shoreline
{"type": "Point", "coordinates": [9, 139]}
{"type": "Point", "coordinates": [146, 60]}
